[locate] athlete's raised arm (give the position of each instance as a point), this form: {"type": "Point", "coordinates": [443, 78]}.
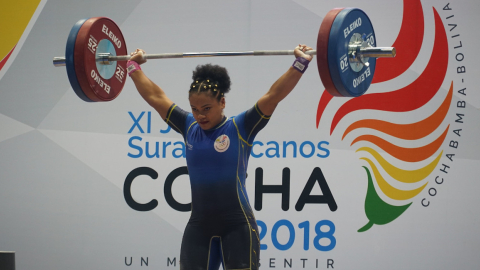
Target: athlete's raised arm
{"type": "Point", "coordinates": [285, 84]}
{"type": "Point", "coordinates": [152, 93]}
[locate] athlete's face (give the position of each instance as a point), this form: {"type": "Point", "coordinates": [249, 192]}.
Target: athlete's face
{"type": "Point", "coordinates": [206, 109]}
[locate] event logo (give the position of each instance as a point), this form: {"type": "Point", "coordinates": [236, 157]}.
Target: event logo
{"type": "Point", "coordinates": [13, 22]}
{"type": "Point", "coordinates": [396, 173]}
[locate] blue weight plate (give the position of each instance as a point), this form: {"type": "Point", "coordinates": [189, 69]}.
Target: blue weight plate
{"type": "Point", "coordinates": [70, 61]}
{"type": "Point", "coordinates": [348, 82]}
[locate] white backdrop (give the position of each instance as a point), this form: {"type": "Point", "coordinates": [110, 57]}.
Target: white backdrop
{"type": "Point", "coordinates": [64, 162]}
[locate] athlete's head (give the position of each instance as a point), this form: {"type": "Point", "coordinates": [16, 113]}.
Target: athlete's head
{"type": "Point", "coordinates": [207, 94]}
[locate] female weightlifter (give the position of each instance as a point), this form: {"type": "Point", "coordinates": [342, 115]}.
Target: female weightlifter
{"type": "Point", "coordinates": [222, 227]}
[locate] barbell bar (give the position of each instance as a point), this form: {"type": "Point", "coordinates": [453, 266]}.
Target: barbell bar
{"type": "Point", "coordinates": [108, 59]}
{"type": "Point", "coordinates": [95, 55]}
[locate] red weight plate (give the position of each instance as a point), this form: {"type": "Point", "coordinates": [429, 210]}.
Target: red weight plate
{"type": "Point", "coordinates": [322, 51]}
{"type": "Point", "coordinates": [89, 36]}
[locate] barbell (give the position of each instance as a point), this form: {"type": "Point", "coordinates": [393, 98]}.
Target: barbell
{"type": "Point", "coordinates": [96, 55]}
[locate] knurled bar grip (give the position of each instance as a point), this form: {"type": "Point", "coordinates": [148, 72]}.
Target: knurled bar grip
{"type": "Point", "coordinates": [378, 52]}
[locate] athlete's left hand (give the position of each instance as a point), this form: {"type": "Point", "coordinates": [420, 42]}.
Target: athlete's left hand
{"type": "Point", "coordinates": [300, 51]}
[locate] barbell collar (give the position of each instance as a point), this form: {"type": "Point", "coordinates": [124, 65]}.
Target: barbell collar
{"type": "Point", "coordinates": [59, 61]}
{"type": "Point", "coordinates": [378, 52]}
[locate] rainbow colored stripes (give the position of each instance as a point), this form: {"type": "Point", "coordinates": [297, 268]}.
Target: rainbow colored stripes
{"type": "Point", "coordinates": [412, 131]}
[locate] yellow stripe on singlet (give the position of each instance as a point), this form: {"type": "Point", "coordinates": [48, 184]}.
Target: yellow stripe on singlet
{"type": "Point", "coordinates": [226, 119]}
{"type": "Point", "coordinates": [240, 154]}
{"type": "Point", "coordinates": [186, 135]}
{"type": "Point", "coordinates": [259, 120]}
{"type": "Point", "coordinates": [170, 113]}
{"type": "Point", "coordinates": [240, 136]}
{"type": "Point", "coordinates": [260, 113]}
{"type": "Point", "coordinates": [167, 120]}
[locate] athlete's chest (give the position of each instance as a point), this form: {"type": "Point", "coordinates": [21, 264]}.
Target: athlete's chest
{"type": "Point", "coordinates": [217, 146]}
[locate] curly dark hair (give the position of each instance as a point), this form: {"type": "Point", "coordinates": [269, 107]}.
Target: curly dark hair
{"type": "Point", "coordinates": [212, 79]}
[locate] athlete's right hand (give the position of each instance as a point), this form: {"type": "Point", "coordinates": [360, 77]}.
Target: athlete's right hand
{"type": "Point", "coordinates": [137, 56]}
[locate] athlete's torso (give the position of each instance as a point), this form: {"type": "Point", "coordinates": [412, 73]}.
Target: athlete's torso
{"type": "Point", "coordinates": [217, 162]}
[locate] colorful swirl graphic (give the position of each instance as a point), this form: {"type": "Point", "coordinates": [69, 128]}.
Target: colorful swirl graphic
{"type": "Point", "coordinates": [414, 96]}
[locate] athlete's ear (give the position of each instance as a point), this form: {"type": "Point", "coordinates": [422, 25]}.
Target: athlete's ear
{"type": "Point", "coordinates": [222, 103]}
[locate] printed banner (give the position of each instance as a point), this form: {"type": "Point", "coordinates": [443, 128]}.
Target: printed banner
{"type": "Point", "coordinates": [387, 180]}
